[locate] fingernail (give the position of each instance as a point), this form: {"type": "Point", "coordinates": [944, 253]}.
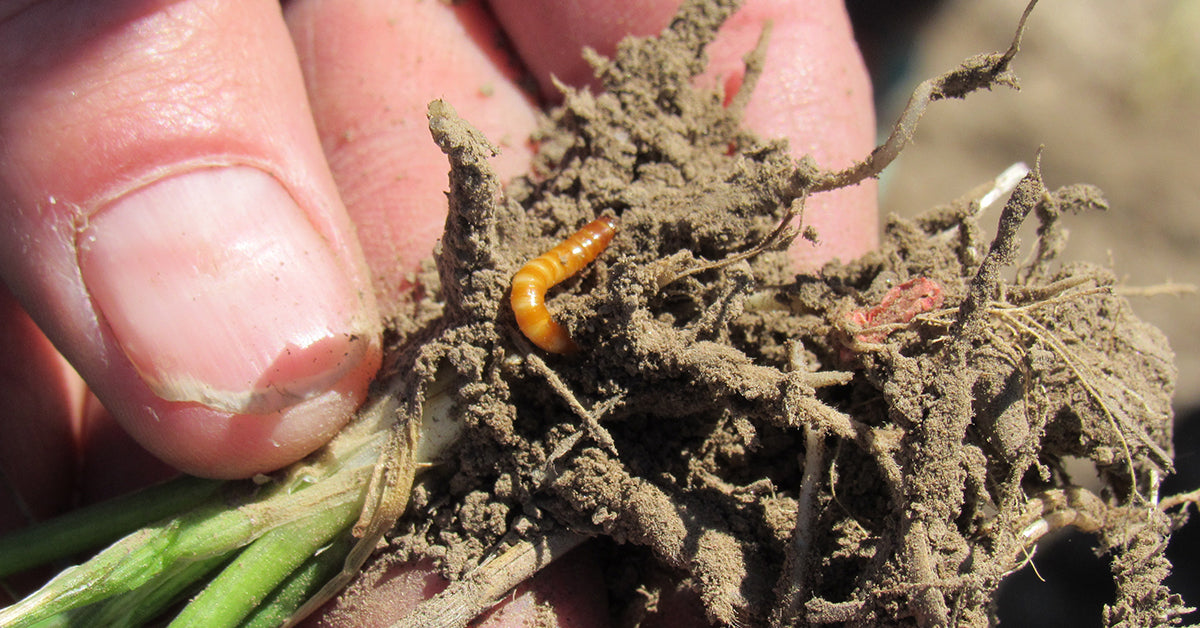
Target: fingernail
{"type": "Point", "coordinates": [220, 291]}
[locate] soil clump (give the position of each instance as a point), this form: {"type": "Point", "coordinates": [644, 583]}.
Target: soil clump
{"type": "Point", "coordinates": [877, 444]}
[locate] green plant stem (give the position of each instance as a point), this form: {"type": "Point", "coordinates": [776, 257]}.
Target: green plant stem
{"type": "Point", "coordinates": [302, 584]}
{"type": "Point", "coordinates": [209, 531]}
{"type": "Point", "coordinates": [320, 496]}
{"type": "Point", "coordinates": [139, 606]}
{"type": "Point", "coordinates": [263, 566]}
{"type": "Point", "coordinates": [96, 525]}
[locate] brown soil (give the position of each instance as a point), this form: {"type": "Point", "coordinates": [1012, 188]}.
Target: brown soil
{"type": "Point", "coordinates": [1112, 90]}
{"type": "Point", "coordinates": [879, 444]}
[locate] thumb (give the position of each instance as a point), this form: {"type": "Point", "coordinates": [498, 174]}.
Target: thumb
{"type": "Point", "coordinates": [167, 218]}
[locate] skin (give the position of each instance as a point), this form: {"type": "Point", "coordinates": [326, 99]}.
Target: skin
{"type": "Point", "coordinates": [151, 151]}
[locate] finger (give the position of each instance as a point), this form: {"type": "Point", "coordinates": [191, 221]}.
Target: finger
{"type": "Point", "coordinates": [372, 67]}
{"type": "Point", "coordinates": [368, 140]}
{"type": "Point", "coordinates": [58, 447]}
{"type": "Point", "coordinates": [814, 89]}
{"type": "Point", "coordinates": [568, 593]}
{"type": "Point", "coordinates": [168, 220]}
{"type": "Point", "coordinates": [42, 401]}
{"type": "Point", "coordinates": [110, 462]}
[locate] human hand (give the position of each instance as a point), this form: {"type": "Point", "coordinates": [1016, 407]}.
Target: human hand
{"type": "Point", "coordinates": [169, 218]}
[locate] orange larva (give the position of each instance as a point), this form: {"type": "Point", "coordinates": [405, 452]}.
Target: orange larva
{"type": "Point", "coordinates": [530, 284]}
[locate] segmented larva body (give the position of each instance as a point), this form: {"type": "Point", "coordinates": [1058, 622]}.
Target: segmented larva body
{"type": "Point", "coordinates": [530, 284]}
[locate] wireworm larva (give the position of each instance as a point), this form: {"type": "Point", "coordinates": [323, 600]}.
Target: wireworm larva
{"type": "Point", "coordinates": [530, 284]}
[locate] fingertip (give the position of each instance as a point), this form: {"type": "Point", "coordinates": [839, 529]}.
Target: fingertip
{"type": "Point", "coordinates": [372, 67]}
{"type": "Point", "coordinates": [42, 401]}
{"type": "Point", "coordinates": [550, 35]}
{"type": "Point", "coordinates": [568, 593]}
{"type": "Point", "coordinates": [111, 462]}
{"type": "Point", "coordinates": [206, 442]}
{"type": "Point", "coordinates": [219, 290]}
{"type": "Point", "coordinates": [169, 219]}
{"type": "Point", "coordinates": [814, 89]}
{"type": "Point", "coordinates": [238, 339]}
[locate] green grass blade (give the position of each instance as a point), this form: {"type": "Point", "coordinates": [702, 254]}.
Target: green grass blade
{"type": "Point", "coordinates": [139, 606]}
{"type": "Point", "coordinates": [301, 585]}
{"type": "Point", "coordinates": [212, 530]}
{"type": "Point", "coordinates": [263, 566]}
{"type": "Point", "coordinates": [94, 526]}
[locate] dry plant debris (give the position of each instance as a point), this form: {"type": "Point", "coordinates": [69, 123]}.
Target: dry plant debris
{"type": "Point", "coordinates": [880, 444]}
